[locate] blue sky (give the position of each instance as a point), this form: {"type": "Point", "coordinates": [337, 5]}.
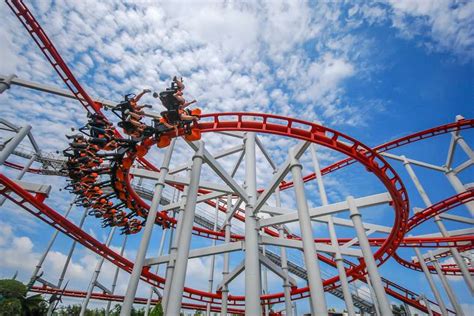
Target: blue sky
{"type": "Point", "coordinates": [373, 70]}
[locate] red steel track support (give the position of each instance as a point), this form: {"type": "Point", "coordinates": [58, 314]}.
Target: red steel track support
{"type": "Point", "coordinates": [354, 151]}
{"type": "Point", "coordinates": [51, 217]}
{"type": "Point", "coordinates": [49, 51]}
{"type": "Point", "coordinates": [119, 298]}
{"type": "Point", "coordinates": [430, 212]}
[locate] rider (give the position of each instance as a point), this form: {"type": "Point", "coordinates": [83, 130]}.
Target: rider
{"type": "Point", "coordinates": [184, 115]}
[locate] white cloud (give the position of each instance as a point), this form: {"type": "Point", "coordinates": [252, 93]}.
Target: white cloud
{"type": "Point", "coordinates": [449, 25]}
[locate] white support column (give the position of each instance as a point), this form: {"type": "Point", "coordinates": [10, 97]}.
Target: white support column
{"type": "Point", "coordinates": [431, 283]}
{"type": "Point", "coordinates": [264, 283]}
{"type": "Point", "coordinates": [459, 188]}
{"type": "Point", "coordinates": [373, 297]}
{"type": "Point", "coordinates": [252, 262]}
{"type": "Point", "coordinates": [6, 83]}
{"type": "Point", "coordinates": [427, 304]}
{"type": "Point", "coordinates": [213, 261]}
{"type": "Point", "coordinates": [284, 262]}
{"type": "Point", "coordinates": [174, 241]}
{"type": "Point", "coordinates": [21, 174]}
{"type": "Point", "coordinates": [447, 288]}
{"type": "Point", "coordinates": [225, 269]}
{"type": "Point", "coordinates": [372, 269]}
{"type": "Point", "coordinates": [454, 251]}
{"type": "Point", "coordinates": [48, 248]}
{"type": "Point", "coordinates": [332, 234]}
{"type": "Point", "coordinates": [318, 301]}
{"type": "Point", "coordinates": [157, 269]}
{"type": "Point", "coordinates": [95, 275]}
{"type": "Point", "coordinates": [13, 143]}
{"type": "Point", "coordinates": [147, 231]}
{"type": "Point", "coordinates": [177, 283]}
{"type": "Point", "coordinates": [114, 281]}
{"type": "Point", "coordinates": [66, 264]}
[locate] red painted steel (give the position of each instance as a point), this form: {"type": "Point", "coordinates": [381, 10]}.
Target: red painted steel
{"type": "Point", "coordinates": [430, 212]}
{"type": "Point", "coordinates": [318, 134]}
{"type": "Point", "coordinates": [119, 298]}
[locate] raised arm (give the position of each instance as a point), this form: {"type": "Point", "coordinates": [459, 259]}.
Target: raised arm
{"type": "Point", "coordinates": [141, 94]}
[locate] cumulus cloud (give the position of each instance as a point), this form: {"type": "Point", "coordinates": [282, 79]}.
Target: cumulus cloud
{"type": "Point", "coordinates": [439, 26]}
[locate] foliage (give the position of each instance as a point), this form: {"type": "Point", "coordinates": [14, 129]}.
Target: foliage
{"type": "Point", "coordinates": [74, 310]}
{"type": "Point", "coordinates": [157, 310]}
{"type": "Point", "coordinates": [13, 300]}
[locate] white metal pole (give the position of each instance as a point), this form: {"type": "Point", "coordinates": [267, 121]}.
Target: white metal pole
{"type": "Point", "coordinates": [225, 269]}
{"type": "Point", "coordinates": [427, 304]}
{"type": "Point", "coordinates": [114, 281]}
{"type": "Point", "coordinates": [174, 241]}
{"type": "Point", "coordinates": [21, 174]}
{"type": "Point", "coordinates": [181, 262]}
{"type": "Point", "coordinates": [373, 297]}
{"type": "Point", "coordinates": [332, 234]}
{"type": "Point", "coordinates": [66, 264]}
{"type": "Point", "coordinates": [372, 270]}
{"type": "Point", "coordinates": [317, 301]}
{"type": "Point", "coordinates": [431, 283]}
{"type": "Point", "coordinates": [444, 281]}
{"type": "Point", "coordinates": [13, 143]}
{"type": "Point", "coordinates": [284, 262]}
{"type": "Point", "coordinates": [157, 269]}
{"type": "Point", "coordinates": [252, 261]}
{"type": "Point", "coordinates": [6, 83]}
{"type": "Point", "coordinates": [459, 188]}
{"type": "Point", "coordinates": [213, 260]}
{"type": "Point", "coordinates": [454, 251]}
{"type": "Point", "coordinates": [95, 275]}
{"type": "Point", "coordinates": [48, 248]}
{"type": "Point", "coordinates": [147, 231]}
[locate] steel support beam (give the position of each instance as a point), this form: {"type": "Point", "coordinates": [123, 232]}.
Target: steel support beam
{"type": "Point", "coordinates": [315, 282]}
{"type": "Point", "coordinates": [252, 264]}
{"type": "Point", "coordinates": [48, 248]}
{"type": "Point", "coordinates": [213, 261]}
{"type": "Point", "coordinates": [371, 265]}
{"type": "Point", "coordinates": [454, 251]}
{"type": "Point", "coordinates": [160, 252]}
{"type": "Point", "coordinates": [322, 213]}
{"type": "Point", "coordinates": [431, 283]}
{"type": "Point", "coordinates": [21, 174]}
{"type": "Point", "coordinates": [66, 264]}
{"type": "Point", "coordinates": [284, 262]}
{"type": "Point", "coordinates": [200, 252]}
{"type": "Point", "coordinates": [459, 188]}
{"type": "Point", "coordinates": [114, 281]}
{"type": "Point", "coordinates": [95, 275]}
{"type": "Point", "coordinates": [279, 176]}
{"type": "Point", "coordinates": [5, 83]}
{"type": "Point", "coordinates": [332, 234]}
{"type": "Point", "coordinates": [427, 304]}
{"type": "Point", "coordinates": [174, 242]}
{"type": "Point", "coordinates": [220, 171]}
{"type": "Point", "coordinates": [447, 288]}
{"type": "Point", "coordinates": [177, 283]}
{"type": "Point", "coordinates": [225, 268]}
{"type": "Point", "coordinates": [147, 231]}
{"type": "Point", "coordinates": [10, 146]}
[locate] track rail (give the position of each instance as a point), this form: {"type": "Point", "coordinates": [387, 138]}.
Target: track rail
{"type": "Point", "coordinates": [356, 152]}
{"type": "Point", "coordinates": [119, 298]}
{"type": "Point", "coordinates": [430, 212]}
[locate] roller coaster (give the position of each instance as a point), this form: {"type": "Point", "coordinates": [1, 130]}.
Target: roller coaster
{"type": "Point", "coordinates": [106, 172]}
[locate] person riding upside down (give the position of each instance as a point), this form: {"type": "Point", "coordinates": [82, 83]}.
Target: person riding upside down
{"type": "Point", "coordinates": [174, 101]}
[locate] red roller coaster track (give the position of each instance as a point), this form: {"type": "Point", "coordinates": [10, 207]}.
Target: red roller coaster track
{"type": "Point", "coordinates": [265, 123]}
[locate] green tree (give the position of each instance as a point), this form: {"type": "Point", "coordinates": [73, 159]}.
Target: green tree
{"type": "Point", "coordinates": [157, 310]}
{"type": "Point", "coordinates": [13, 300]}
